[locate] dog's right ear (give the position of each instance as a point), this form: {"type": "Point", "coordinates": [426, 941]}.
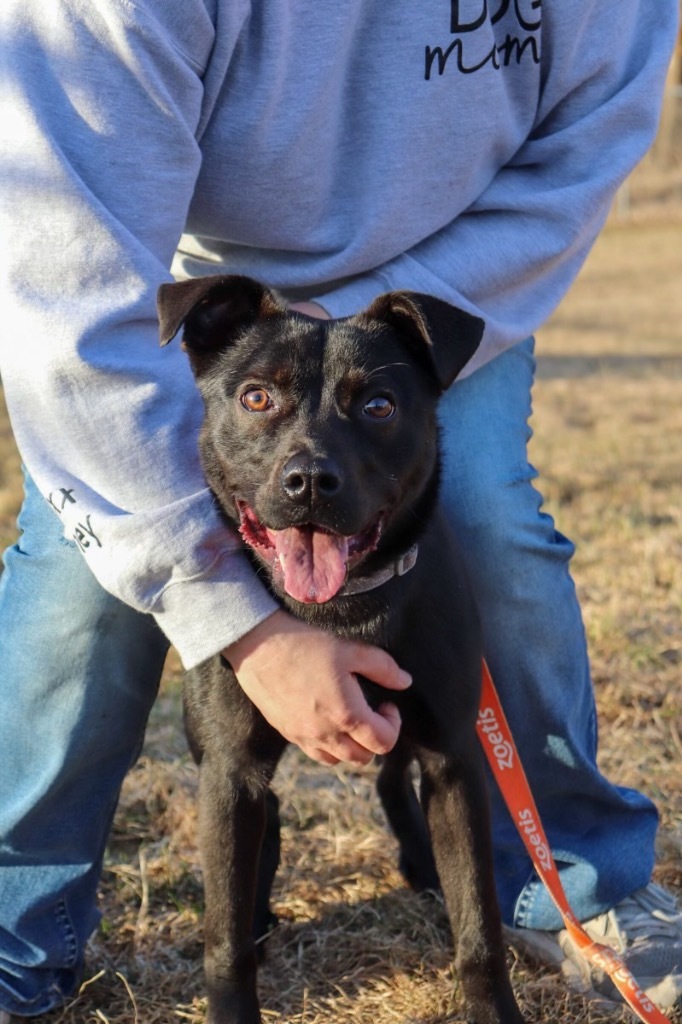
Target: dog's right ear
{"type": "Point", "coordinates": [212, 310]}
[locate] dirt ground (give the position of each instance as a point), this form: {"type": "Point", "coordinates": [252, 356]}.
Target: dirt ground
{"type": "Point", "coordinates": [354, 946]}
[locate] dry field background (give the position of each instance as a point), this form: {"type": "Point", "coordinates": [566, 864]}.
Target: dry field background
{"type": "Point", "coordinates": [354, 946]}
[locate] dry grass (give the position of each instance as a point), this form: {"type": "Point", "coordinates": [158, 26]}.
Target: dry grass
{"type": "Point", "coordinates": [354, 946]}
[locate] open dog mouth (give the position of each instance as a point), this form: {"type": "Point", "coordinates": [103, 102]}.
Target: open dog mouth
{"type": "Point", "coordinates": [311, 562]}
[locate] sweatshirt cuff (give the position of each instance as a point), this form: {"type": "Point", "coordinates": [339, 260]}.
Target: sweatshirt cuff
{"type": "Point", "coordinates": [202, 616]}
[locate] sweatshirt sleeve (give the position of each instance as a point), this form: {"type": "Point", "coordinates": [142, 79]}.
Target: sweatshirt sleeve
{"type": "Point", "coordinates": [513, 254]}
{"type": "Point", "coordinates": [105, 420]}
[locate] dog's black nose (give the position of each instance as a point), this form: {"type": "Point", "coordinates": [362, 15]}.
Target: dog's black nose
{"type": "Point", "coordinates": [306, 478]}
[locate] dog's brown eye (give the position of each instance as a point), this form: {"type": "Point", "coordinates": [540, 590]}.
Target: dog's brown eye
{"type": "Point", "coordinates": [256, 400]}
{"type": "Point", "coordinates": [379, 408]}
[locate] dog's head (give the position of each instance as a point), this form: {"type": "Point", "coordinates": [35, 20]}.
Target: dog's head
{"type": "Point", "coordinates": [320, 437]}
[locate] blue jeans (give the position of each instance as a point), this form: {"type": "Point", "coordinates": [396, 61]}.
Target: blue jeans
{"type": "Point", "coordinates": [602, 835]}
{"type": "Point", "coordinates": [79, 672]}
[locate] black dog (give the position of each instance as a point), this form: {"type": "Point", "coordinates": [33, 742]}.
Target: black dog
{"type": "Point", "coordinates": [320, 444]}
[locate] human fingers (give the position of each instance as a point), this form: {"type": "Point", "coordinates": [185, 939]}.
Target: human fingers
{"type": "Point", "coordinates": [320, 755]}
{"type": "Point", "coordinates": [355, 737]}
{"type": "Point", "coordinates": [317, 703]}
{"type": "Point", "coordinates": [340, 749]}
{"type": "Point", "coordinates": [377, 665]}
{"type": "Point", "coordinates": [377, 732]}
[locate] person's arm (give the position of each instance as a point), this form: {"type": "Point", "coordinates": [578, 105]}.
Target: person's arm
{"type": "Point", "coordinates": [513, 254]}
{"type": "Point", "coordinates": [101, 107]}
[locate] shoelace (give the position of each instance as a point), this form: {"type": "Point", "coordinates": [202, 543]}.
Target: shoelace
{"type": "Point", "coordinates": [650, 913]}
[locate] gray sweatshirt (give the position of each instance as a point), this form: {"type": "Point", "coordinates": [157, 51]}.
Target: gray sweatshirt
{"type": "Point", "coordinates": [466, 148]}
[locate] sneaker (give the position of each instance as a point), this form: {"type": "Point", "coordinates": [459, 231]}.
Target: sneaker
{"type": "Point", "coordinates": [645, 930]}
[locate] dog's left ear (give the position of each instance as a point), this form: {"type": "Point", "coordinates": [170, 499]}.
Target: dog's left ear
{"type": "Point", "coordinates": [446, 335]}
{"type": "Point", "coordinates": [212, 310]}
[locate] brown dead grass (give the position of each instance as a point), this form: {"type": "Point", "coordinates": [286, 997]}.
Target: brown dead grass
{"type": "Point", "coordinates": [354, 946]}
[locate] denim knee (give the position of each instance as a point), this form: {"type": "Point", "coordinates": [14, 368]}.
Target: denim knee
{"type": "Point", "coordinates": [80, 672]}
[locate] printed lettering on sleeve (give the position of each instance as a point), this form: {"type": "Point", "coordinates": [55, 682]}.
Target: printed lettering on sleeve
{"type": "Point", "coordinates": [83, 533]}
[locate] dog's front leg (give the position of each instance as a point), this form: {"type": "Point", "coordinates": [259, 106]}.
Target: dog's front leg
{"type": "Point", "coordinates": [455, 802]}
{"type": "Point", "coordinates": [405, 816]}
{"type": "Point", "coordinates": [232, 816]}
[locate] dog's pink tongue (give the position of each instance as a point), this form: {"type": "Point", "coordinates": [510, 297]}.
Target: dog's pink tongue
{"type": "Point", "coordinates": [313, 562]}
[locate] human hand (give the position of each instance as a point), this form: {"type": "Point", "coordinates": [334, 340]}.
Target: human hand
{"type": "Point", "coordinates": [304, 682]}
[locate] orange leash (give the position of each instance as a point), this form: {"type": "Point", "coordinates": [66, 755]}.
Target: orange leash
{"type": "Point", "coordinates": [500, 749]}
